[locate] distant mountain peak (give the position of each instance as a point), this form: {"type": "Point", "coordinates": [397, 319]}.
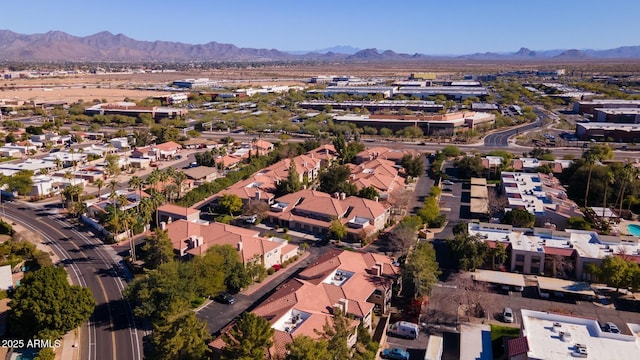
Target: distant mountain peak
{"type": "Point", "coordinates": [524, 52]}
{"type": "Point", "coordinates": [572, 54]}
{"type": "Point", "coordinates": [105, 46]}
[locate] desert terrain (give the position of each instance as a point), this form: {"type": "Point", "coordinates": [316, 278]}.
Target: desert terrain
{"type": "Point", "coordinates": [117, 86]}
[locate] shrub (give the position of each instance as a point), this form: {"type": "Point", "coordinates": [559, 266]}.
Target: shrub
{"type": "Point", "coordinates": [271, 271]}
{"type": "Point", "coordinates": [6, 228]}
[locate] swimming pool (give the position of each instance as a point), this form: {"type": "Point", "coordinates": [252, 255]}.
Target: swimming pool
{"type": "Point", "coordinates": [634, 229]}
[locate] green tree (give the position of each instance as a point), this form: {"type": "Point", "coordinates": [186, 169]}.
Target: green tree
{"type": "Point", "coordinates": [413, 166]}
{"type": "Point", "coordinates": [157, 249]}
{"type": "Point", "coordinates": [113, 165]}
{"type": "Point", "coordinates": [336, 179]}
{"type": "Point", "coordinates": [45, 354]}
{"type": "Point", "coordinates": [429, 210]}
{"type": "Point", "coordinates": [469, 166]}
{"type": "Point", "coordinates": [470, 251]}
{"type": "Point", "coordinates": [578, 223]}
{"type": "Point", "coordinates": [337, 229]}
{"type": "Point", "coordinates": [248, 339]}
{"type": "Point", "coordinates": [595, 154]}
{"type": "Point", "coordinates": [305, 348]}
{"type": "Point", "coordinates": [292, 183]}
{"type": "Point", "coordinates": [336, 335]}
{"type": "Point", "coordinates": [235, 274]}
{"type": "Point", "coordinates": [347, 151]}
{"type": "Point", "coordinates": [614, 271]}
{"type": "Point", "coordinates": [368, 192]}
{"type": "Point", "coordinates": [135, 182]}
{"type": "Point", "coordinates": [519, 218]}
{"type": "Point", "coordinates": [421, 270]}
{"type": "Point", "coordinates": [183, 337]}
{"type": "Point", "coordinates": [230, 203]}
{"type": "Point", "coordinates": [451, 151]}
{"type": "Point", "coordinates": [99, 183]}
{"type": "Point", "coordinates": [20, 182]}
{"type": "Point", "coordinates": [46, 305]}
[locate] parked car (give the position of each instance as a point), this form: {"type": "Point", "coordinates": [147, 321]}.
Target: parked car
{"type": "Point", "coordinates": [225, 298]}
{"type": "Point", "coordinates": [404, 329]}
{"type": "Point", "coordinates": [447, 182]}
{"type": "Point", "coordinates": [251, 219]}
{"type": "Point", "coordinates": [395, 354]}
{"type": "Point", "coordinates": [507, 315]}
{"type": "Point", "coordinates": [611, 327]}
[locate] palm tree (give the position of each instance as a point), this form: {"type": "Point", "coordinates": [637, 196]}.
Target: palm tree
{"type": "Point", "coordinates": [157, 199]}
{"type": "Point", "coordinates": [153, 178]}
{"type": "Point", "coordinates": [609, 179]}
{"type": "Point", "coordinates": [136, 183]}
{"type": "Point", "coordinates": [629, 174]}
{"type": "Point", "coordinates": [126, 223]}
{"type": "Point", "coordinates": [163, 177]}
{"type": "Point", "coordinates": [99, 183]}
{"type": "Point", "coordinates": [179, 179]}
{"type": "Point", "coordinates": [58, 163]}
{"type": "Point", "coordinates": [146, 208]}
{"type": "Point", "coordinates": [170, 191]}
{"type": "Point", "coordinates": [113, 186]}
{"type": "Point", "coordinates": [590, 159]}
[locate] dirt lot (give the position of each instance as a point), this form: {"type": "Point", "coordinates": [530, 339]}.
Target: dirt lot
{"type": "Point", "coordinates": [113, 87]}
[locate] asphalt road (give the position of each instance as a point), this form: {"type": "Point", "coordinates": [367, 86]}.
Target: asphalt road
{"type": "Point", "coordinates": [432, 147]}
{"type": "Point", "coordinates": [218, 315]}
{"type": "Point", "coordinates": [501, 138]}
{"type": "Point", "coordinates": [111, 332]}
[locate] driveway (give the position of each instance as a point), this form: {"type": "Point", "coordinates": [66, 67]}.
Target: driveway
{"type": "Point", "coordinates": [217, 315]}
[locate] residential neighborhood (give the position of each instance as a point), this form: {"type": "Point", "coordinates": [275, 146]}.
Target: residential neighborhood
{"type": "Point", "coordinates": [476, 214]}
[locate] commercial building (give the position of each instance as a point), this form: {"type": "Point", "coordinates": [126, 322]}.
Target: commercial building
{"type": "Point", "coordinates": [546, 335]}
{"type": "Point", "coordinates": [617, 115]}
{"type": "Point", "coordinates": [549, 252]}
{"type": "Point", "coordinates": [194, 83]}
{"type": "Point", "coordinates": [540, 194]}
{"type": "Point", "coordinates": [131, 109]}
{"type": "Point", "coordinates": [430, 124]}
{"type": "Point", "coordinates": [608, 132]}
{"type": "Point", "coordinates": [384, 91]}
{"type": "Point", "coordinates": [451, 92]}
{"type": "Point", "coordinates": [413, 105]}
{"type": "Point", "coordinates": [589, 107]}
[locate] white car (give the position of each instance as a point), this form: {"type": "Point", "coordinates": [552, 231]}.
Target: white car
{"type": "Point", "coordinates": [507, 315]}
{"type": "Point", "coordinates": [447, 182]}
{"type": "Point", "coordinates": [251, 219]}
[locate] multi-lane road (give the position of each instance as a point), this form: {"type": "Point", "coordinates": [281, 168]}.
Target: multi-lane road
{"type": "Point", "coordinates": [111, 333]}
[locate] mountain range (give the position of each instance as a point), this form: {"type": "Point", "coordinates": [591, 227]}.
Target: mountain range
{"type": "Point", "coordinates": [105, 46]}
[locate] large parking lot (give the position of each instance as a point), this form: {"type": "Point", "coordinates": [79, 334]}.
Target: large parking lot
{"type": "Point", "coordinates": [443, 309]}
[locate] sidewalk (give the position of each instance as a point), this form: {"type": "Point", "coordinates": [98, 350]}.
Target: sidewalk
{"type": "Point", "coordinates": [69, 349]}
{"type": "Point", "coordinates": [286, 272]}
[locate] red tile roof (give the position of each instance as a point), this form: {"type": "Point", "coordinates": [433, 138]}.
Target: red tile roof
{"type": "Point", "coordinates": [518, 346]}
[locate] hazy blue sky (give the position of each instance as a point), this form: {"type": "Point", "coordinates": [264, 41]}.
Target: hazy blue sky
{"type": "Point", "coordinates": [422, 26]}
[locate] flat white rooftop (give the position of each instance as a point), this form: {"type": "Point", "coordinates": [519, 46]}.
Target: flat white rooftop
{"type": "Point", "coordinates": [543, 332]}
{"type": "Point", "coordinates": [475, 342]}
